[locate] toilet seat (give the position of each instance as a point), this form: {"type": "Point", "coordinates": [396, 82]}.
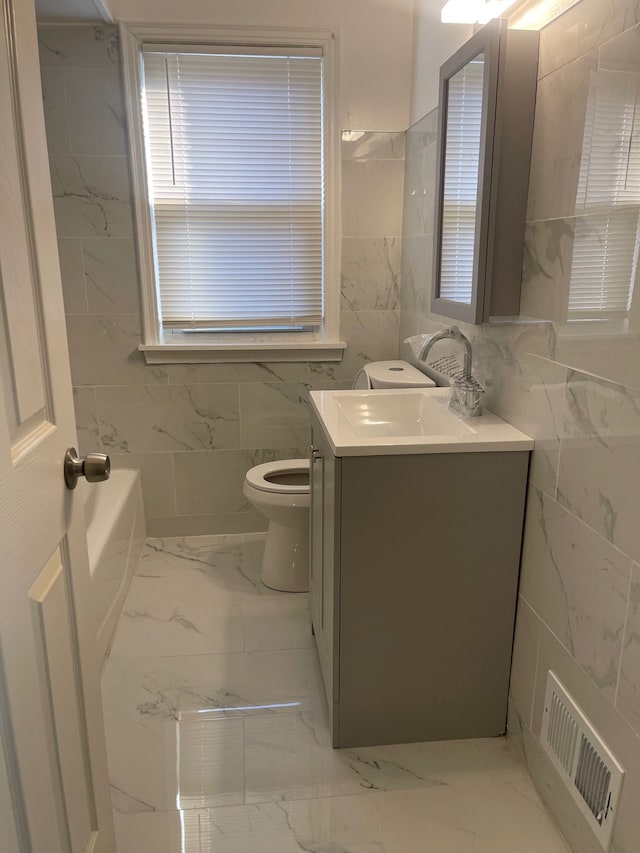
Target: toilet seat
{"type": "Point", "coordinates": [257, 477]}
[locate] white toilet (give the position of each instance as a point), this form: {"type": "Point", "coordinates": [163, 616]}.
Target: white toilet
{"type": "Point", "coordinates": [280, 491]}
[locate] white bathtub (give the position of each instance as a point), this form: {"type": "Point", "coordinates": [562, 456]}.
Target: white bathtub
{"type": "Point", "coordinates": [114, 515]}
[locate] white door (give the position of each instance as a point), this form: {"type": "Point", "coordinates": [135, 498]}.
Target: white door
{"type": "Point", "coordinates": [54, 794]}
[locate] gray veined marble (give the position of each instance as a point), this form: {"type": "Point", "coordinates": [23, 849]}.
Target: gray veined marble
{"type": "Point", "coordinates": [255, 371]}
{"type": "Point", "coordinates": [169, 417]}
{"type": "Point", "coordinates": [372, 145]}
{"type": "Point", "coordinates": [72, 274]}
{"type": "Point", "coordinates": [542, 374]}
{"type": "Point", "coordinates": [94, 46]}
{"type": "Point", "coordinates": [578, 584]}
{"type": "Point", "coordinates": [559, 139]}
{"type": "Point", "coordinates": [544, 392]}
{"type": "Point", "coordinates": [628, 698]}
{"type": "Point", "coordinates": [111, 275]}
{"type": "Point", "coordinates": [125, 803]}
{"type": "Point", "coordinates": [371, 273]}
{"type": "Point", "coordinates": [95, 110]}
{"type": "Point", "coordinates": [419, 196]}
{"type": "Point", "coordinates": [55, 112]}
{"type": "Point", "coordinates": [91, 196]}
{"type": "Point", "coordinates": [274, 414]}
{"type": "Point", "coordinates": [524, 662]}
{"type": "Point", "coordinates": [417, 274]}
{"type": "Point", "coordinates": [156, 622]}
{"type": "Point", "coordinates": [370, 336]}
{"type": "Point", "coordinates": [546, 273]}
{"type": "Point", "coordinates": [86, 411]}
{"type": "Point", "coordinates": [501, 354]}
{"type": "Point", "coordinates": [582, 28]}
{"type": "Point", "coordinates": [112, 340]}
{"type": "Point", "coordinates": [334, 825]}
{"type": "Point", "coordinates": [137, 690]}
{"type": "Point", "coordinates": [228, 564]}
{"type": "Point", "coordinates": [158, 483]}
{"type": "Point", "coordinates": [599, 472]}
{"type": "Point", "coordinates": [230, 752]}
{"type": "Point", "coordinates": [372, 198]}
{"type": "Point", "coordinates": [423, 133]}
{"type": "Point", "coordinates": [197, 476]}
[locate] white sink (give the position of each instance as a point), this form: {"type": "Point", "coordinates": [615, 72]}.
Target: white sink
{"type": "Point", "coordinates": [380, 413]}
{"type": "Point", "coordinates": [408, 420]}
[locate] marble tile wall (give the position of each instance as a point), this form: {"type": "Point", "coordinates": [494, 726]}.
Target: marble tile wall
{"type": "Point", "coordinates": [579, 602]}
{"type": "Point", "coordinates": [192, 430]}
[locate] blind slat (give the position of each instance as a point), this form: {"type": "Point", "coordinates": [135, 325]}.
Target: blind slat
{"type": "Point", "coordinates": [605, 243]}
{"type": "Point", "coordinates": [235, 158]}
{"type": "Point", "coordinates": [462, 159]}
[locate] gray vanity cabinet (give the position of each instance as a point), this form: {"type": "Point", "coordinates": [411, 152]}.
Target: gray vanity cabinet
{"type": "Point", "coordinates": [414, 575]}
{"type": "Point", "coordinates": [325, 559]}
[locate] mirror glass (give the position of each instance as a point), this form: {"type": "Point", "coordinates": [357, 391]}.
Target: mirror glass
{"type": "Point", "coordinates": [463, 144]}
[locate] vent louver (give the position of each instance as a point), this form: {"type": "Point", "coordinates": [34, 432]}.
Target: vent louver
{"type": "Point", "coordinates": [586, 765]}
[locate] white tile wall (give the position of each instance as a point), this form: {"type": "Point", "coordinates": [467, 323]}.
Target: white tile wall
{"type": "Point", "coordinates": [579, 602]}
{"type": "Point", "coordinates": [192, 429]}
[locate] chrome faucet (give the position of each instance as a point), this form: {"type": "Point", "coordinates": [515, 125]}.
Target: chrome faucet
{"type": "Point", "coordinates": [466, 391]}
{"type": "Point", "coordinates": [450, 332]}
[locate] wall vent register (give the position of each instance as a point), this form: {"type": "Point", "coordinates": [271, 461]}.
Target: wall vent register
{"type": "Point", "coordinates": [586, 765]}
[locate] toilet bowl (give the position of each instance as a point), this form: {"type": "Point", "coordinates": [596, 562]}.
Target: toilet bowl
{"type": "Point", "coordinates": [280, 491]}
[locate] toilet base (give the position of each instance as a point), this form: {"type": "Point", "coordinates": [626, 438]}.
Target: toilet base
{"type": "Point", "coordinates": [285, 564]}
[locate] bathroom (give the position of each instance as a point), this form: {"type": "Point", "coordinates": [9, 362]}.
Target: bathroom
{"type": "Point", "coordinates": [189, 769]}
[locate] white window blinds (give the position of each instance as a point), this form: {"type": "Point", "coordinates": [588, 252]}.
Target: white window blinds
{"type": "Point", "coordinates": [234, 147]}
{"type": "Point", "coordinates": [605, 247]}
{"type": "Point", "coordinates": [462, 163]}
{"type": "Point", "coordinates": [603, 270]}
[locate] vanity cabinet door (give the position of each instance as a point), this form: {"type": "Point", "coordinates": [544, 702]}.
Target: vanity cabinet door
{"type": "Point", "coordinates": [316, 464]}
{"type": "Point", "coordinates": [325, 563]}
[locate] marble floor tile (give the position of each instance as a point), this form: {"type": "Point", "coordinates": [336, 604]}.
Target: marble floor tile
{"type": "Point", "coordinates": [288, 757]}
{"type": "Point", "coordinates": [474, 818]}
{"type": "Point", "coordinates": [227, 562]}
{"type": "Point", "coordinates": [168, 621]}
{"type": "Point", "coordinates": [229, 751]}
{"type": "Point", "coordinates": [275, 622]}
{"type": "Point", "coordinates": [195, 761]}
{"type": "Point", "coordinates": [330, 825]}
{"type": "Point", "coordinates": [500, 761]}
{"type": "Point", "coordinates": [138, 689]}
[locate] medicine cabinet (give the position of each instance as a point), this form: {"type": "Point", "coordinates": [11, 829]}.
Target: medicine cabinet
{"type": "Point", "coordinates": [487, 102]}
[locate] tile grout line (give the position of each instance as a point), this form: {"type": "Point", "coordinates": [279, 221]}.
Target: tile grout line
{"type": "Point", "coordinates": [625, 625]}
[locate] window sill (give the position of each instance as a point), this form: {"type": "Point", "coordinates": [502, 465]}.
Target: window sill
{"type": "Point", "coordinates": [183, 349]}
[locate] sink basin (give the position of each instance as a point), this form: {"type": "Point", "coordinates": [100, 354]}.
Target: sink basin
{"type": "Point", "coordinates": [391, 414]}
{"type": "Point", "coordinates": [407, 420]}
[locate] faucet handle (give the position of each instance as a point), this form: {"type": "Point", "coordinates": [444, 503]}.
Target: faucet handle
{"type": "Point", "coordinates": [466, 397]}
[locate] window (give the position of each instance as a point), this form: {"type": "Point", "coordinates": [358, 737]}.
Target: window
{"type": "Point", "coordinates": [235, 171]}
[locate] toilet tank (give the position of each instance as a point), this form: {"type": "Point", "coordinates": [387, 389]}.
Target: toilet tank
{"type": "Point", "coordinates": [391, 374]}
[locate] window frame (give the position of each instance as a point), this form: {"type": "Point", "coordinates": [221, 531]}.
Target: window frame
{"type": "Point", "coordinates": [160, 347]}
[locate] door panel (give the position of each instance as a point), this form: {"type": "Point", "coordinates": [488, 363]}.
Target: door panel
{"type": "Point", "coordinates": [21, 317]}
{"type": "Point", "coordinates": [53, 760]}
{"type": "Point", "coordinates": [52, 608]}
{"type": "Point", "coordinates": [316, 483]}
{"type": "Point", "coordinates": [15, 837]}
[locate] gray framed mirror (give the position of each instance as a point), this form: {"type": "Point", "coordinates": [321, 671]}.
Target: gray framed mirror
{"type": "Point", "coordinates": [487, 101]}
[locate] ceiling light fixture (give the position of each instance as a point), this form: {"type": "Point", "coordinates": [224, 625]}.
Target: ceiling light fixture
{"type": "Point", "coordinates": [473, 11]}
